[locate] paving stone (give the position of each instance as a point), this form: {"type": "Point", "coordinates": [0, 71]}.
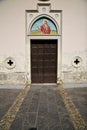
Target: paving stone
{"type": "Point", "coordinates": [62, 109]}
{"type": "Point", "coordinates": [64, 116]}
{"type": "Point", "coordinates": [42, 123]}
{"type": "Point", "coordinates": [33, 107]}
{"type": "Point", "coordinates": [79, 98]}
{"type": "Point", "coordinates": [53, 119]}
{"type": "Point", "coordinates": [43, 108]}
{"type": "Point", "coordinates": [60, 103]}
{"type": "Point", "coordinates": [26, 127]}
{"type": "Point", "coordinates": [30, 119]}
{"type": "Point", "coordinates": [52, 107]}
{"type": "Point", "coordinates": [3, 111]}
{"type": "Point", "coordinates": [51, 99]}
{"type": "Point", "coordinates": [7, 97]}
{"type": "Point", "coordinates": [67, 125]}
{"type": "Point", "coordinates": [55, 127]}
{"type": "Point", "coordinates": [43, 98]}
{"type": "Point", "coordinates": [17, 123]}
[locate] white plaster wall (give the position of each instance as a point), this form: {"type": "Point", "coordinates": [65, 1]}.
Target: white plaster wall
{"type": "Point", "coordinates": [12, 30]}
{"type": "Point", "coordinates": [74, 38]}
{"type": "Point", "coordinates": [74, 23]}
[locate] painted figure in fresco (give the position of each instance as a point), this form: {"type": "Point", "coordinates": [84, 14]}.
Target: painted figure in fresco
{"type": "Point", "coordinates": [45, 28]}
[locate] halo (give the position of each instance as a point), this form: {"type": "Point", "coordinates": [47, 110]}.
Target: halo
{"type": "Point", "coordinates": [45, 20]}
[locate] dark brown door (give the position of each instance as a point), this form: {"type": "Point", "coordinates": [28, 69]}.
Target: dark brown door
{"type": "Point", "coordinates": [44, 61]}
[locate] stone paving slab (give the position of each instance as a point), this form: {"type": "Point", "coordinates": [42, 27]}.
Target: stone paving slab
{"type": "Point", "coordinates": [7, 97]}
{"type": "Point", "coordinates": [44, 109]}
{"type": "Point", "coordinates": [79, 98]}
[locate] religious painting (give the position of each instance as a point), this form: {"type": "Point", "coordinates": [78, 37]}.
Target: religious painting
{"type": "Point", "coordinates": [44, 26]}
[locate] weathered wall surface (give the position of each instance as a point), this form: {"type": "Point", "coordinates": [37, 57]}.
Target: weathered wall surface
{"type": "Point", "coordinates": [13, 38]}
{"type": "Point", "coordinates": [72, 72]}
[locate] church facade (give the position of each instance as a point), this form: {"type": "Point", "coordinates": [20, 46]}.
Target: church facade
{"type": "Point", "coordinates": [43, 41]}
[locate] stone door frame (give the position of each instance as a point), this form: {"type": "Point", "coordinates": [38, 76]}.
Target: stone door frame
{"type": "Point", "coordinates": [31, 16]}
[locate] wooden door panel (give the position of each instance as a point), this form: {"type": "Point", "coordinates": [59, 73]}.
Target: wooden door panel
{"type": "Point", "coordinates": [43, 61]}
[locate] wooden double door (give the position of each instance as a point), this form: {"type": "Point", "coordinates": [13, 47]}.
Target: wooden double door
{"type": "Point", "coordinates": [43, 61]}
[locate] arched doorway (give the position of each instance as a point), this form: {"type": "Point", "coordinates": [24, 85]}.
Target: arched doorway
{"type": "Point", "coordinates": [43, 52]}
{"type": "Point", "coordinates": [43, 47]}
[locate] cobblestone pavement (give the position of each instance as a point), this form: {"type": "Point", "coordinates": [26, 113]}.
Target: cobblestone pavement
{"type": "Point", "coordinates": [79, 98]}
{"type": "Point", "coordinates": [43, 109]}
{"type": "Point", "coordinates": [7, 97]}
